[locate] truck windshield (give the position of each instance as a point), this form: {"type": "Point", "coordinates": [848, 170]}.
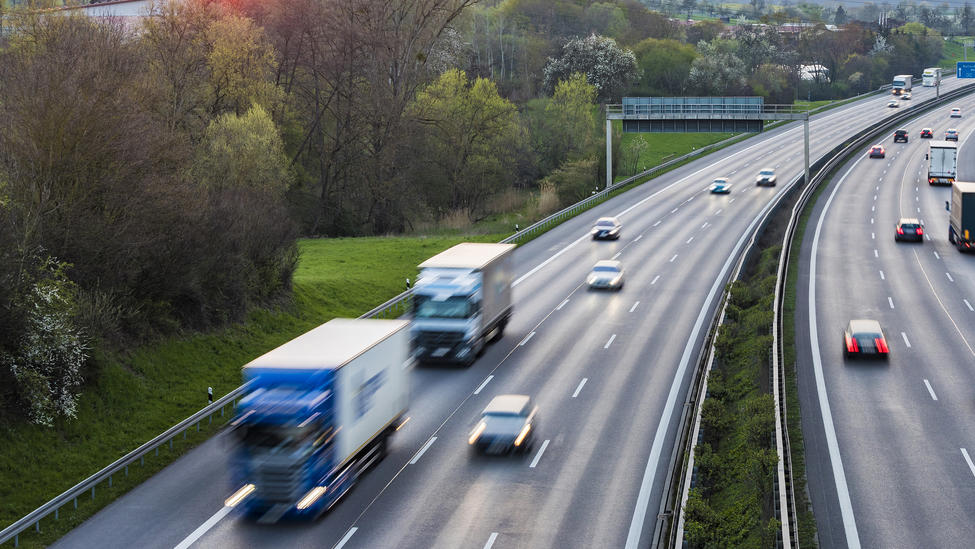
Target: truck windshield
{"type": "Point", "coordinates": [452, 307]}
{"type": "Point", "coordinates": [271, 437]}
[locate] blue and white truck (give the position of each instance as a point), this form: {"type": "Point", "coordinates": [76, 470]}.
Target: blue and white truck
{"type": "Point", "coordinates": [319, 410]}
{"type": "Point", "coordinates": [462, 301]}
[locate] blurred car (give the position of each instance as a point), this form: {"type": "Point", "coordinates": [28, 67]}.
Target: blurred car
{"type": "Point", "coordinates": [508, 424]}
{"type": "Point", "coordinates": [893, 103]}
{"type": "Point", "coordinates": [606, 227]}
{"type": "Point", "coordinates": [766, 177]}
{"type": "Point", "coordinates": [951, 134]}
{"type": "Point", "coordinates": [909, 228]}
{"type": "Point", "coordinates": [721, 185]}
{"type": "Point", "coordinates": [900, 135]}
{"type": "Point", "coordinates": [878, 151]}
{"type": "Point", "coordinates": [865, 338]}
{"type": "Point", "coordinates": [956, 112]}
{"type": "Point", "coordinates": [926, 132]}
{"type": "Point", "coordinates": [906, 95]}
{"type": "Point", "coordinates": [607, 274]}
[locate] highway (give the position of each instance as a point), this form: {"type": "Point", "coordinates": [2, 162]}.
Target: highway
{"type": "Point", "coordinates": [609, 371]}
{"type": "Point", "coordinates": [889, 445]}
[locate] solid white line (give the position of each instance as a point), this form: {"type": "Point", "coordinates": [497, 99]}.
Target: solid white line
{"type": "Point", "coordinates": [891, 301]}
{"type": "Point", "coordinates": [971, 465]}
{"type": "Point", "coordinates": [970, 308]}
{"type": "Point", "coordinates": [608, 343]}
{"type": "Point", "coordinates": [494, 536]}
{"type": "Point", "coordinates": [538, 456]}
{"type": "Point", "coordinates": [673, 258]}
{"type": "Point", "coordinates": [839, 475]}
{"type": "Point", "coordinates": [547, 261]}
{"type": "Point", "coordinates": [527, 338]}
{"type": "Point", "coordinates": [658, 277]}
{"type": "Point", "coordinates": [341, 544]}
{"type": "Point", "coordinates": [617, 255]}
{"type": "Point", "coordinates": [936, 256]}
{"type": "Point", "coordinates": [579, 388]}
{"type": "Point", "coordinates": [210, 523]}
{"type": "Point", "coordinates": [930, 390]}
{"type": "Point", "coordinates": [949, 277]}
{"type": "Point", "coordinates": [634, 306]}
{"type": "Point", "coordinates": [882, 276]}
{"type": "Point", "coordinates": [906, 342]}
{"type": "Point", "coordinates": [689, 240]}
{"type": "Point", "coordinates": [559, 308]}
{"type": "Point", "coordinates": [481, 386]}
{"type": "Point", "coordinates": [422, 450]}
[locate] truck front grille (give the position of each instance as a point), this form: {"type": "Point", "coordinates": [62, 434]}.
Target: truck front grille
{"type": "Point", "coordinates": [279, 482]}
{"type": "Point", "coordinates": [432, 340]}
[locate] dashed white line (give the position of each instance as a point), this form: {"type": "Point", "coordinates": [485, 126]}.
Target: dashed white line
{"type": "Point", "coordinates": [970, 308]}
{"type": "Point", "coordinates": [579, 388]}
{"type": "Point", "coordinates": [871, 221]}
{"type": "Point", "coordinates": [705, 225]}
{"type": "Point", "coordinates": [930, 390]}
{"type": "Point", "coordinates": [657, 223]}
{"type": "Point", "coordinates": [345, 538]}
{"type": "Point", "coordinates": [949, 277]}
{"type": "Point", "coordinates": [873, 236]}
{"type": "Point", "coordinates": [655, 279]}
{"type": "Point", "coordinates": [617, 255]}
{"type": "Point", "coordinates": [730, 201]}
{"type": "Point", "coordinates": [717, 212]}
{"type": "Point", "coordinates": [610, 342]}
{"type": "Point", "coordinates": [423, 450]}
{"type": "Point", "coordinates": [968, 458]}
{"type": "Point", "coordinates": [633, 308]}
{"type": "Point", "coordinates": [559, 308]}
{"type": "Point", "coordinates": [674, 210]}
{"type": "Point", "coordinates": [875, 254]}
{"type": "Point", "coordinates": [873, 208]}
{"type": "Point", "coordinates": [638, 238]}
{"type": "Point", "coordinates": [689, 240]}
{"type": "Point", "coordinates": [538, 456]}
{"type": "Point", "coordinates": [906, 341]}
{"type": "Point", "coordinates": [490, 542]}
{"type": "Point", "coordinates": [483, 384]}
{"type": "Point", "coordinates": [526, 339]}
{"type": "Point", "coordinates": [891, 301]}
{"type": "Point", "coordinates": [882, 276]}
{"type": "Point", "coordinates": [936, 256]}
{"type": "Point", "coordinates": [673, 258]}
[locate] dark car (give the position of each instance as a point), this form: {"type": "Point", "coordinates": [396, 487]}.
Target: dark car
{"type": "Point", "coordinates": [508, 424]}
{"type": "Point", "coordinates": [951, 134]}
{"type": "Point", "coordinates": [927, 133]}
{"type": "Point", "coordinates": [909, 228]}
{"type": "Point", "coordinates": [607, 227]}
{"type": "Point", "coordinates": [900, 135]}
{"type": "Point", "coordinates": [766, 177]}
{"type": "Point", "coordinates": [865, 338]}
{"type": "Point", "coordinates": [878, 151]}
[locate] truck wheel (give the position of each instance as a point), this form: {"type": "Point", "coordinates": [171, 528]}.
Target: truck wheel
{"type": "Point", "coordinates": [951, 237]}
{"type": "Point", "coordinates": [499, 331]}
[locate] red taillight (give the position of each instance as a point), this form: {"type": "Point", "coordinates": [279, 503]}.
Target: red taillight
{"type": "Point", "coordinates": [851, 345]}
{"type": "Point", "coordinates": [920, 230]}
{"type": "Point", "coordinates": [900, 230]}
{"type": "Point", "coordinates": [881, 345]}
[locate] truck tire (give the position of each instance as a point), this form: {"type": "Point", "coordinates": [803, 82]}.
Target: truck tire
{"type": "Point", "coordinates": [951, 236]}
{"type": "Point", "coordinates": [499, 331]}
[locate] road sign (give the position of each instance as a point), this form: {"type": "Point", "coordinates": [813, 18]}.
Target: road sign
{"type": "Point", "coordinates": [966, 69]}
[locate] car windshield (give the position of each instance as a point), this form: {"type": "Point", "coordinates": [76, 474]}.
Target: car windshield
{"type": "Point", "coordinates": [604, 269]}
{"type": "Point", "coordinates": [720, 182]}
{"type": "Point", "coordinates": [425, 306]}
{"type": "Point", "coordinates": [608, 224]}
{"type": "Point", "coordinates": [766, 172]}
{"type": "Point", "coordinates": [908, 226]}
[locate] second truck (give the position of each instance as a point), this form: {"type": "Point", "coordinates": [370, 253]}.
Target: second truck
{"type": "Point", "coordinates": [961, 220]}
{"type": "Point", "coordinates": [942, 163]}
{"type": "Point", "coordinates": [902, 83]}
{"type": "Point", "coordinates": [462, 301]}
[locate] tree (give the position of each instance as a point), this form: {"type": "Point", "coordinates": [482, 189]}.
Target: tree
{"type": "Point", "coordinates": [665, 66]}
{"type": "Point", "coordinates": [243, 152]}
{"type": "Point", "coordinates": [571, 115]}
{"type": "Point", "coordinates": [688, 7]}
{"type": "Point", "coordinates": [966, 17]}
{"type": "Point", "coordinates": [633, 152]}
{"type": "Point", "coordinates": [606, 66]}
{"type": "Point", "coordinates": [840, 17]}
{"type": "Point", "coordinates": [716, 72]}
{"type": "Point", "coordinates": [240, 62]}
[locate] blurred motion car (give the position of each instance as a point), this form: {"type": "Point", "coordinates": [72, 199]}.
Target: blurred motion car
{"type": "Point", "coordinates": [927, 133]}
{"type": "Point", "coordinates": [766, 177]}
{"type": "Point", "coordinates": [507, 425]}
{"type": "Point", "coordinates": [878, 151]}
{"type": "Point", "coordinates": [909, 228]}
{"type": "Point", "coordinates": [900, 135]}
{"type": "Point", "coordinates": [893, 103]}
{"type": "Point", "coordinates": [607, 274]}
{"type": "Point", "coordinates": [865, 337]}
{"type": "Point", "coordinates": [906, 95]}
{"type": "Point", "coordinates": [721, 185]}
{"type": "Point", "coordinates": [956, 112]}
{"type": "Point", "coordinates": [951, 134]}
{"type": "Point", "coordinates": [606, 228]}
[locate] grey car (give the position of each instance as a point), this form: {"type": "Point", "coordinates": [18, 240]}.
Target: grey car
{"type": "Point", "coordinates": [766, 177]}
{"type": "Point", "coordinates": [508, 424]}
{"type": "Point", "coordinates": [606, 274]}
{"type": "Point", "coordinates": [607, 227]}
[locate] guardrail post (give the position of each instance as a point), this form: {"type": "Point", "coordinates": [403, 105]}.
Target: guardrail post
{"type": "Point", "coordinates": [92, 492]}
{"type": "Point", "coordinates": [109, 481]}
{"type": "Point", "coordinates": [37, 527]}
{"type": "Point", "coordinates": [56, 514]}
{"type": "Point", "coordinates": [75, 503]}
{"type": "Point", "coordinates": [126, 470]}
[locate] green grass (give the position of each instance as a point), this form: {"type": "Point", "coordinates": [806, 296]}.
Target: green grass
{"type": "Point", "coordinates": [953, 53]}
{"type": "Point", "coordinates": [137, 396]}
{"type": "Point", "coordinates": [668, 145]}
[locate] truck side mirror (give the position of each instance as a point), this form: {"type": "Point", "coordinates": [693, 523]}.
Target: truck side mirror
{"type": "Point", "coordinates": [925, 156]}
{"type": "Point", "coordinates": [947, 206]}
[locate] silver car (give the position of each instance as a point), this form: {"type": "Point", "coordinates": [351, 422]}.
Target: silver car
{"type": "Point", "coordinates": [766, 177]}
{"type": "Point", "coordinates": [508, 424]}
{"type": "Point", "coordinates": [607, 274]}
{"type": "Point", "coordinates": [607, 227]}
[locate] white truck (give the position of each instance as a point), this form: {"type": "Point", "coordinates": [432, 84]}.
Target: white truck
{"type": "Point", "coordinates": [319, 411]}
{"type": "Point", "coordinates": [902, 83]}
{"type": "Point", "coordinates": [961, 221]}
{"type": "Point", "coordinates": [462, 301]}
{"type": "Point", "coordinates": [942, 162]}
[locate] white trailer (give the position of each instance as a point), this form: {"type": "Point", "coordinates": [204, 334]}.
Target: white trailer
{"type": "Point", "coordinates": [942, 162]}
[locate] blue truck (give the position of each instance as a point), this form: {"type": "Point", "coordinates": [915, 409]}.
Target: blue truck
{"type": "Point", "coordinates": [319, 410]}
{"type": "Point", "coordinates": [462, 301]}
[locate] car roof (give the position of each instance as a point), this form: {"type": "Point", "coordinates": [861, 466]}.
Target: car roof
{"type": "Point", "coordinates": [607, 220]}
{"type": "Point", "coordinates": [865, 325]}
{"type": "Point", "coordinates": [720, 179]}
{"type": "Point", "coordinates": [877, 147]}
{"type": "Point", "coordinates": [909, 221]}
{"type": "Point", "coordinates": [901, 130]}
{"type": "Point", "coordinates": [507, 404]}
{"type": "Point", "coordinates": [767, 169]}
{"type": "Point", "coordinates": [608, 263]}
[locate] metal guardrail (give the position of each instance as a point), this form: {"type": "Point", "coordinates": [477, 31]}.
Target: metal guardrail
{"type": "Point", "coordinates": [33, 519]}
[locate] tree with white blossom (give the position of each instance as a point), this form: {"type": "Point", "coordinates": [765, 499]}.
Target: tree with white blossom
{"type": "Point", "coordinates": [606, 66]}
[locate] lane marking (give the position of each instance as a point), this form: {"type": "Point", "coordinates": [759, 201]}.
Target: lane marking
{"type": "Point", "coordinates": [971, 465]}
{"type": "Point", "coordinates": [882, 276]}
{"type": "Point", "coordinates": [674, 210]}
{"type": "Point", "coordinates": [341, 544]}
{"type": "Point", "coordinates": [657, 223]}
{"type": "Point", "coordinates": [617, 255]}
{"type": "Point", "coordinates": [559, 308]}
{"type": "Point", "coordinates": [949, 277]}
{"type": "Point", "coordinates": [689, 240]}
{"type": "Point", "coordinates": [906, 342]}
{"type": "Point", "coordinates": [873, 236]}
{"type": "Point", "coordinates": [526, 339]}
{"type": "Point", "coordinates": [608, 343]}
{"type": "Point", "coordinates": [538, 456]}
{"type": "Point", "coordinates": [930, 390]}
{"type": "Point", "coordinates": [705, 225]}
{"type": "Point", "coordinates": [730, 201]}
{"type": "Point", "coordinates": [547, 261]}
{"type": "Point", "coordinates": [875, 254]}
{"type": "Point", "coordinates": [422, 450]}
{"type": "Point", "coordinates": [488, 380]}
{"type": "Point", "coordinates": [970, 308]}
{"type": "Point", "coordinates": [936, 256]}
{"type": "Point", "coordinates": [494, 536]}
{"type": "Point", "coordinates": [204, 528]}
{"type": "Point", "coordinates": [673, 258]}
{"type": "Point", "coordinates": [638, 238]}
{"type": "Point", "coordinates": [871, 221]}
{"type": "Point", "coordinates": [658, 277]}
{"type": "Point", "coordinates": [716, 213]}
{"type": "Point", "coordinates": [579, 388]}
{"type": "Point", "coordinates": [873, 208]}
{"type": "Point", "coordinates": [634, 306]}
{"type": "Point", "coordinates": [891, 301]}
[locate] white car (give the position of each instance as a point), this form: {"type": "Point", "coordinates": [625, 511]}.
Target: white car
{"type": "Point", "coordinates": [956, 112]}
{"type": "Point", "coordinates": [893, 103]}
